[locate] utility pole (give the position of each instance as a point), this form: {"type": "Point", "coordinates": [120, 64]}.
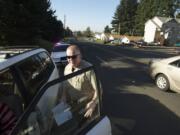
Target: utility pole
{"type": "Point", "coordinates": [64, 21]}
{"type": "Point", "coordinates": [64, 25]}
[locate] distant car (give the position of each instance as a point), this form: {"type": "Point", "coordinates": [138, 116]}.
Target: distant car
{"type": "Point", "coordinates": [177, 51]}
{"type": "Point", "coordinates": [155, 43]}
{"type": "Point", "coordinates": [166, 73]}
{"type": "Point", "coordinates": [59, 53]}
{"type": "Point", "coordinates": [141, 42]}
{"type": "Point", "coordinates": [121, 41]}
{"type": "Point", "coordinates": [134, 44]}
{"type": "Point", "coordinates": [116, 42]}
{"type": "Point", "coordinates": [177, 44]}
{"type": "Point", "coordinates": [125, 41]}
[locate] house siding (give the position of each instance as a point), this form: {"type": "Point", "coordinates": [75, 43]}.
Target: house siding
{"type": "Point", "coordinates": [163, 30]}
{"type": "Point", "coordinates": [149, 32]}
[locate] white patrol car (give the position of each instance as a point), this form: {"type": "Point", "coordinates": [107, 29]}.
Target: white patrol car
{"type": "Point", "coordinates": [31, 87]}
{"type": "Point", "coordinates": [58, 53]}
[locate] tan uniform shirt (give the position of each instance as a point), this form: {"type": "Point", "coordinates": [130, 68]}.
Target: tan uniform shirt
{"type": "Point", "coordinates": [83, 85]}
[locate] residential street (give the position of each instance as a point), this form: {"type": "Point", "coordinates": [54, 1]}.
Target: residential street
{"type": "Point", "coordinates": [130, 97]}
{"type": "Point", "coordinates": [46, 87]}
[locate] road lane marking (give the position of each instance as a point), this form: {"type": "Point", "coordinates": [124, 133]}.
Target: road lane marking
{"type": "Point", "coordinates": [103, 61]}
{"type": "Point", "coordinates": [120, 55]}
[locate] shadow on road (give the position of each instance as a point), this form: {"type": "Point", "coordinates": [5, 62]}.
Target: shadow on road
{"type": "Point", "coordinates": [134, 114]}
{"type": "Point", "coordinates": [130, 113]}
{"type": "Point", "coordinates": [132, 52]}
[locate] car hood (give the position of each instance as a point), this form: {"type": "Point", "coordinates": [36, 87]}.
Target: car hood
{"type": "Point", "coordinates": [58, 54]}
{"type": "Point", "coordinates": [155, 60]}
{"type": "Point", "coordinates": [165, 60]}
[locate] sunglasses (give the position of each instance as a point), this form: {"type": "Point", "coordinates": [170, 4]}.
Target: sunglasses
{"type": "Point", "coordinates": [72, 57]}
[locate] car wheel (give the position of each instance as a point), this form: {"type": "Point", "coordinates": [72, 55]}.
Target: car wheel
{"type": "Point", "coordinates": [162, 82]}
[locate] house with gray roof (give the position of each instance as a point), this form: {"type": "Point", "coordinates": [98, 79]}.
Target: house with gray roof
{"type": "Point", "coordinates": [163, 30]}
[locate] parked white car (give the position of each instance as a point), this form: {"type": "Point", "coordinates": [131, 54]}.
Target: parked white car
{"type": "Point", "coordinates": [125, 40]}
{"type": "Point", "coordinates": [58, 53]}
{"type": "Point", "coordinates": [120, 41]}
{"type": "Point", "coordinates": [116, 42]}
{"type": "Point", "coordinates": [166, 73]}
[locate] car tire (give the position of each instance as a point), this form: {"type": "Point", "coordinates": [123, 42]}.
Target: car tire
{"type": "Point", "coordinates": [162, 82]}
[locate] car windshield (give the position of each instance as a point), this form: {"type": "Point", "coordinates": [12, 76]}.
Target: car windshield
{"type": "Point", "coordinates": [60, 48]}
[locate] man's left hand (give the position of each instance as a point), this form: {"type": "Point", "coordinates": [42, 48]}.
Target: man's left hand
{"type": "Point", "coordinates": [90, 109]}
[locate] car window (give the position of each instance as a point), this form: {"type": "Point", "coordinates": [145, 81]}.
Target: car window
{"type": "Point", "coordinates": [60, 48]}
{"type": "Point", "coordinates": [11, 102]}
{"type": "Point", "coordinates": [60, 113]}
{"type": "Point", "coordinates": [47, 64]}
{"type": "Point", "coordinates": [7, 84]}
{"type": "Point", "coordinates": [176, 63]}
{"type": "Point", "coordinates": [36, 71]}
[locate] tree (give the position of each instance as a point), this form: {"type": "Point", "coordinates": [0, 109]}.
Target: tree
{"type": "Point", "coordinates": [116, 20]}
{"type": "Point", "coordinates": [147, 9]}
{"type": "Point", "coordinates": [177, 8]}
{"type": "Point", "coordinates": [123, 20]}
{"type": "Point", "coordinates": [68, 32]}
{"type": "Point", "coordinates": [88, 32]}
{"type": "Point", "coordinates": [79, 34]}
{"type": "Point", "coordinates": [23, 22]}
{"type": "Point", "coordinates": [107, 29]}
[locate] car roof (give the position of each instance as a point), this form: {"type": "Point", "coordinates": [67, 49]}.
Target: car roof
{"type": "Point", "coordinates": [61, 44]}
{"type": "Point", "coordinates": [9, 57]}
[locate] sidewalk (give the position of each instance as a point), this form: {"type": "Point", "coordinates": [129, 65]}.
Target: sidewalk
{"type": "Point", "coordinates": [161, 47]}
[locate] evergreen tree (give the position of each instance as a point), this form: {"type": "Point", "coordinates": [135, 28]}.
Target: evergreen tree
{"type": "Point", "coordinates": [177, 8]}
{"type": "Point", "coordinates": [79, 34]}
{"type": "Point", "coordinates": [147, 9]}
{"type": "Point", "coordinates": [116, 21]}
{"type": "Point", "coordinates": [23, 22]}
{"type": "Point", "coordinates": [123, 20]}
{"type": "Point", "coordinates": [68, 32]}
{"type": "Point", "coordinates": [88, 32]}
{"type": "Point", "coordinates": [107, 29]}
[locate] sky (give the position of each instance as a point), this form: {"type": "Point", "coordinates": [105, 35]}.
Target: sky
{"type": "Point", "coordinates": [83, 13]}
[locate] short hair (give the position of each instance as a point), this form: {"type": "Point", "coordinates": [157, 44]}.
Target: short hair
{"type": "Point", "coordinates": [75, 48]}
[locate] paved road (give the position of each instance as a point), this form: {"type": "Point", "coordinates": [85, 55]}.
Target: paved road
{"type": "Point", "coordinates": [131, 100]}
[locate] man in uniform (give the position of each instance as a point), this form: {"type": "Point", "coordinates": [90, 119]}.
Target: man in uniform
{"type": "Point", "coordinates": [83, 86]}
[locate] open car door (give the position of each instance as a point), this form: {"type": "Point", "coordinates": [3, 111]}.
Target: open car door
{"type": "Point", "coordinates": [65, 116]}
